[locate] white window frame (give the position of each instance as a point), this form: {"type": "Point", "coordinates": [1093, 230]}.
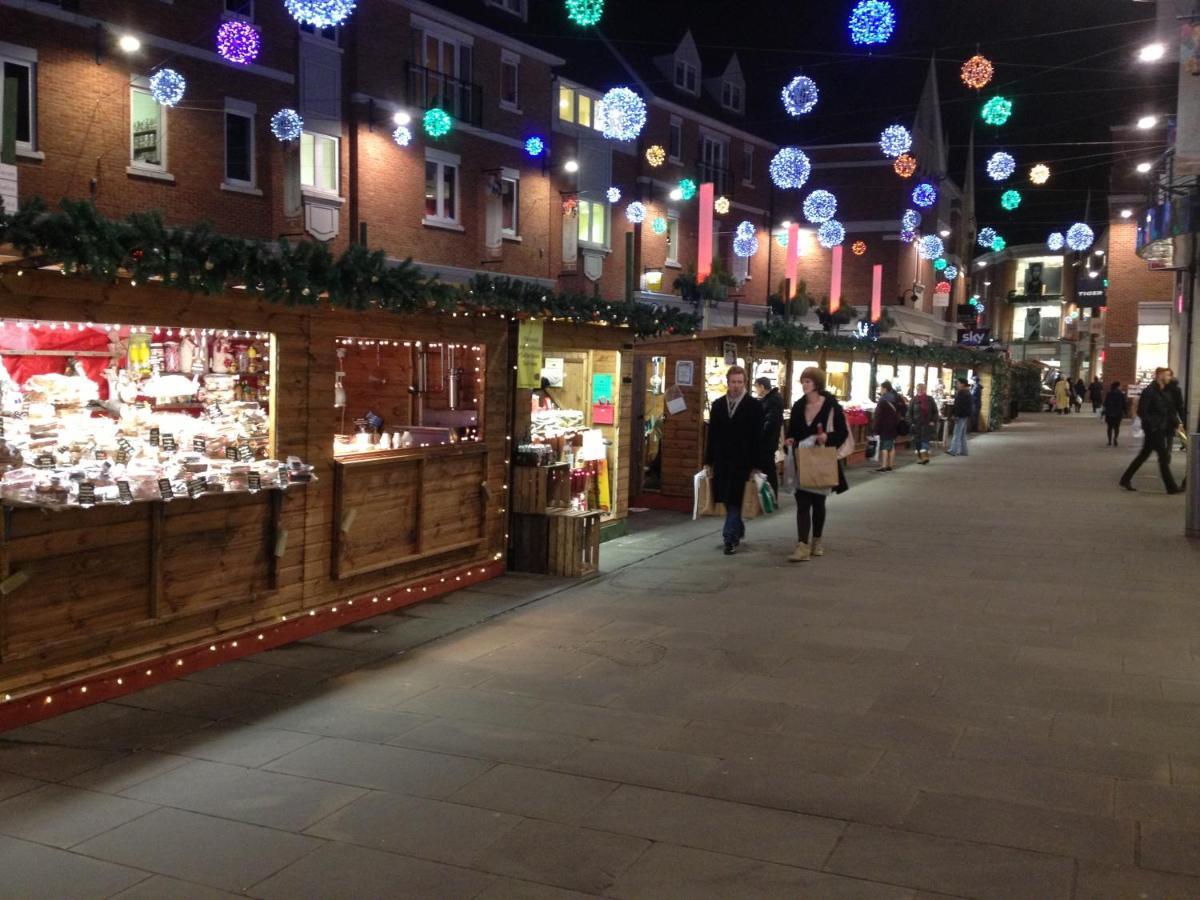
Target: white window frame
{"type": "Point", "coordinates": [683, 69]}
{"type": "Point", "coordinates": [444, 159]}
{"type": "Point", "coordinates": [521, 12]}
{"type": "Point", "coordinates": [604, 209]}
{"type": "Point", "coordinates": [228, 13]}
{"type": "Point", "coordinates": [576, 93]}
{"type": "Point", "coordinates": [508, 58]}
{"type": "Point", "coordinates": [140, 85]}
{"type": "Point", "coordinates": [748, 165]}
{"type": "Point", "coordinates": [731, 96]}
{"type": "Point", "coordinates": [676, 153]}
{"type": "Point", "coordinates": [672, 239]}
{"type": "Point", "coordinates": [514, 177]}
{"type": "Point", "coordinates": [320, 149]}
{"type": "Point", "coordinates": [247, 111]}
{"type": "Point", "coordinates": [23, 56]}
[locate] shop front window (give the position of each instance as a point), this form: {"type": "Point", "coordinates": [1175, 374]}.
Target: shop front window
{"type": "Point", "coordinates": [837, 379]}
{"type": "Point", "coordinates": [401, 395]}
{"type": "Point", "coordinates": [798, 367]}
{"type": "Point", "coordinates": [1153, 350]}
{"type": "Point", "coordinates": [1037, 323]}
{"type": "Point", "coordinates": [860, 384]}
{"type": "Point", "coordinates": [112, 414]}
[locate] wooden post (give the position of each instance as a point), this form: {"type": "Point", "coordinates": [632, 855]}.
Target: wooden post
{"type": "Point", "coordinates": [629, 267]}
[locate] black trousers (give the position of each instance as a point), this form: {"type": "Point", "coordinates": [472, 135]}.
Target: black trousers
{"type": "Point", "coordinates": [810, 515]}
{"type": "Point", "coordinates": [1095, 406]}
{"type": "Point", "coordinates": [1114, 428]}
{"type": "Point", "coordinates": [1155, 442]}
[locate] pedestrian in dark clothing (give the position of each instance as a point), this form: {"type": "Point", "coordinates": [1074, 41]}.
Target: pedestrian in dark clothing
{"type": "Point", "coordinates": [885, 424]}
{"type": "Point", "coordinates": [1114, 411]}
{"type": "Point", "coordinates": [733, 451]}
{"type": "Point", "coordinates": [817, 419]}
{"type": "Point", "coordinates": [1096, 392]}
{"type": "Point", "coordinates": [923, 419]}
{"type": "Point", "coordinates": [1080, 392]}
{"type": "Point", "coordinates": [962, 417]}
{"type": "Point", "coordinates": [772, 404]}
{"type": "Point", "coordinates": [976, 401]}
{"type": "Point", "coordinates": [1159, 421]}
{"type": "Point", "coordinates": [1175, 393]}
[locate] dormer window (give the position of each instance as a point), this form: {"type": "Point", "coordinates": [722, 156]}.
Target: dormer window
{"type": "Point", "coordinates": [685, 76]}
{"type": "Point", "coordinates": [516, 7]}
{"type": "Point", "coordinates": [731, 96]}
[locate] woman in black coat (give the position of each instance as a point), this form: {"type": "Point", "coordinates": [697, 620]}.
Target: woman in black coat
{"type": "Point", "coordinates": [1114, 412]}
{"type": "Point", "coordinates": [818, 415]}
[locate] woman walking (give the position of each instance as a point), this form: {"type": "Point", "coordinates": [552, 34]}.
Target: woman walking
{"type": "Point", "coordinates": [817, 420]}
{"type": "Point", "coordinates": [1062, 396]}
{"type": "Point", "coordinates": [1114, 412]}
{"type": "Point", "coordinates": [923, 419]}
{"type": "Point", "coordinates": [885, 424]}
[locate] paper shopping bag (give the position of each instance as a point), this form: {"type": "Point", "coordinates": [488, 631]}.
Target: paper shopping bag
{"type": "Point", "coordinates": [751, 507]}
{"type": "Point", "coordinates": [816, 467]}
{"type": "Point", "coordinates": [703, 504]}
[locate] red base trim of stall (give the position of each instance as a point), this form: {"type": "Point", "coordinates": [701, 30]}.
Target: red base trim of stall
{"type": "Point", "coordinates": [659, 501]}
{"type": "Point", "coordinates": [34, 705]}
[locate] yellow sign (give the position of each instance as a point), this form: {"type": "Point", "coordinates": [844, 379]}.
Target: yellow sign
{"type": "Point", "coordinates": [529, 354]}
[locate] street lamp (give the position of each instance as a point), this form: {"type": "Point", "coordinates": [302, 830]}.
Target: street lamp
{"type": "Point", "coordinates": [1127, 214]}
{"type": "Point", "coordinates": [1147, 122]}
{"type": "Point", "coordinates": [1144, 167]}
{"type": "Point", "coordinates": [571, 166]}
{"type": "Point", "coordinates": [402, 118]}
{"type": "Point", "coordinates": [1152, 52]}
{"type": "Point", "coordinates": [129, 44]}
{"type": "Point", "coordinates": [945, 232]}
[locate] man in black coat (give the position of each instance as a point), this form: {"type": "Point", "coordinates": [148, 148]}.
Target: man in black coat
{"type": "Point", "coordinates": [772, 404]}
{"type": "Point", "coordinates": [733, 451]}
{"type": "Point", "coordinates": [1156, 409]}
{"type": "Point", "coordinates": [1096, 392]}
{"type": "Point", "coordinates": [1174, 393]}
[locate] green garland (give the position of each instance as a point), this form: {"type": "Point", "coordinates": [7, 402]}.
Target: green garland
{"type": "Point", "coordinates": [199, 260]}
{"type": "Point", "coordinates": [791, 336]}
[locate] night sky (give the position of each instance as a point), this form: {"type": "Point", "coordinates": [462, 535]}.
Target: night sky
{"type": "Point", "coordinates": [1069, 66]}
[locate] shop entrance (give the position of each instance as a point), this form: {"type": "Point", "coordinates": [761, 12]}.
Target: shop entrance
{"type": "Point", "coordinates": [649, 414]}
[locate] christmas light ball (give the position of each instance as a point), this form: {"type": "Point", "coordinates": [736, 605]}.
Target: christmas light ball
{"type": "Point", "coordinates": [437, 122]}
{"type": "Point", "coordinates": [800, 95]}
{"type": "Point", "coordinates": [977, 72]}
{"type": "Point", "coordinates": [622, 114]}
{"type": "Point", "coordinates": [745, 228]}
{"type": "Point", "coordinates": [820, 206]}
{"type": "Point", "coordinates": [635, 212]}
{"type": "Point", "coordinates": [659, 225]}
{"type": "Point", "coordinates": [908, 236]}
{"type": "Point", "coordinates": [872, 22]}
{"type": "Point", "coordinates": [745, 245]}
{"type": "Point", "coordinates": [830, 234]}
{"type": "Point", "coordinates": [687, 189]}
{"type": "Point", "coordinates": [1010, 200]}
{"type": "Point", "coordinates": [940, 263]}
{"type": "Point", "coordinates": [721, 206]}
{"type": "Point", "coordinates": [924, 194]}
{"type": "Point", "coordinates": [1000, 166]}
{"type": "Point", "coordinates": [858, 248]}
{"type": "Point", "coordinates": [656, 155]}
{"type": "Point", "coordinates": [996, 111]}
{"type": "Point", "coordinates": [942, 287]}
{"type": "Point", "coordinates": [998, 243]}
{"type": "Point", "coordinates": [1039, 174]}
{"type": "Point", "coordinates": [790, 168]}
{"type": "Point", "coordinates": [904, 166]}
{"type": "Point", "coordinates": [167, 86]}
{"type": "Point", "coordinates": [613, 194]}
{"type": "Point", "coordinates": [402, 136]}
{"type": "Point", "coordinates": [931, 247]}
{"type": "Point", "coordinates": [320, 13]}
{"type": "Point", "coordinates": [895, 140]}
{"type": "Point", "coordinates": [1080, 236]}
{"type": "Point", "coordinates": [585, 12]}
{"type": "Point", "coordinates": [238, 41]}
{"type": "Point", "coordinates": [911, 220]}
{"type": "Point", "coordinates": [950, 273]}
{"type": "Point", "coordinates": [535, 146]}
{"type": "Point", "coordinates": [1056, 241]}
{"type": "Point", "coordinates": [985, 236]}
{"type": "Point", "coordinates": [287, 125]}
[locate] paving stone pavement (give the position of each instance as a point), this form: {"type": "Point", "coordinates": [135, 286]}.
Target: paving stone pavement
{"type": "Point", "coordinates": [989, 687]}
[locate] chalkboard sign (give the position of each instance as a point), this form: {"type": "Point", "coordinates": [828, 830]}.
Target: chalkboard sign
{"type": "Point", "coordinates": [124, 493]}
{"type": "Point", "coordinates": [255, 482]}
{"type": "Point", "coordinates": [87, 494]}
{"type": "Point", "coordinates": [124, 444]}
{"type": "Point", "coordinates": [155, 437]}
{"type": "Point", "coordinates": [283, 477]}
{"type": "Point", "coordinates": [168, 443]}
{"type": "Point", "coordinates": [196, 487]}
{"type": "Point", "coordinates": [245, 454]}
{"type": "Point", "coordinates": [44, 461]}
{"type": "Point", "coordinates": [231, 453]}
{"type": "Point", "coordinates": [165, 490]}
{"type": "Point", "coordinates": [122, 456]}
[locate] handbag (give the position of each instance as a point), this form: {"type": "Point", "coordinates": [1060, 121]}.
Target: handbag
{"type": "Point", "coordinates": [817, 467]}
{"type": "Point", "coordinates": [847, 447]}
{"type": "Point", "coordinates": [902, 428]}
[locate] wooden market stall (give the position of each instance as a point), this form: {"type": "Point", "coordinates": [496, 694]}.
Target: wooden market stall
{"type": "Point", "coordinates": [225, 475]}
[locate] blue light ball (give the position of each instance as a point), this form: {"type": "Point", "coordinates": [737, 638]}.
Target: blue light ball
{"type": "Point", "coordinates": [635, 212]}
{"type": "Point", "coordinates": [320, 13]}
{"type": "Point", "coordinates": [1080, 237]}
{"type": "Point", "coordinates": [287, 125]}
{"type": "Point", "coordinates": [830, 234]}
{"type": "Point", "coordinates": [790, 168]}
{"type": "Point", "coordinates": [1056, 241]}
{"type": "Point", "coordinates": [167, 86]}
{"type": "Point", "coordinates": [924, 194]}
{"type": "Point", "coordinates": [613, 194]}
{"type": "Point", "coordinates": [622, 114]}
{"type": "Point", "coordinates": [911, 220]}
{"type": "Point", "coordinates": [1000, 165]}
{"type": "Point", "coordinates": [402, 136]}
{"type": "Point", "coordinates": [800, 95]}
{"type": "Point", "coordinates": [745, 245]}
{"type": "Point", "coordinates": [895, 140]}
{"type": "Point", "coordinates": [931, 247]}
{"type": "Point", "coordinates": [872, 22]}
{"type": "Point", "coordinates": [820, 206]}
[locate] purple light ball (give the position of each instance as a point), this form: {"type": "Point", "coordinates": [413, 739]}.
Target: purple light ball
{"type": "Point", "coordinates": [238, 41]}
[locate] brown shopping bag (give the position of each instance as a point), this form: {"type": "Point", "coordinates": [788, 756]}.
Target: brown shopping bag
{"type": "Point", "coordinates": [751, 508]}
{"type": "Point", "coordinates": [703, 504]}
{"type": "Point", "coordinates": [816, 467]}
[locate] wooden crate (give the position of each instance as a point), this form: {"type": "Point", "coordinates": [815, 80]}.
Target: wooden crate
{"type": "Point", "coordinates": [538, 488]}
{"type": "Point", "coordinates": [574, 542]}
{"type": "Point", "coordinates": [529, 543]}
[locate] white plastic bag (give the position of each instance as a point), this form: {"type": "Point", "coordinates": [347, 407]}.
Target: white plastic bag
{"type": "Point", "coordinates": [1135, 428]}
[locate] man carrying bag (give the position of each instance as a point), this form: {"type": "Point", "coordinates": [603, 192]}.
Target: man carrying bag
{"type": "Point", "coordinates": [732, 451]}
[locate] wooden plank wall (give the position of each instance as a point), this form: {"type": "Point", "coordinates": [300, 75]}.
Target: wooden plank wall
{"type": "Point", "coordinates": [90, 602]}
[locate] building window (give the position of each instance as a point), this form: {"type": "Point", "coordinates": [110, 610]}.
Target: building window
{"type": "Point", "coordinates": [516, 7]}
{"type": "Point", "coordinates": [319, 162]}
{"type": "Point", "coordinates": [673, 239]}
{"type": "Point", "coordinates": [241, 8]}
{"type": "Point", "coordinates": [22, 72]}
{"type": "Point", "coordinates": [441, 188]}
{"type": "Point", "coordinates": [685, 76]}
{"type": "Point", "coordinates": [731, 96]}
{"type": "Point", "coordinates": [675, 140]}
{"type": "Point", "coordinates": [592, 222]}
{"type": "Point", "coordinates": [239, 144]}
{"type": "Point", "coordinates": [510, 81]}
{"type": "Point", "coordinates": [327, 34]}
{"type": "Point", "coordinates": [148, 127]}
{"type": "Point", "coordinates": [576, 106]}
{"type": "Point", "coordinates": [748, 164]}
{"type": "Point", "coordinates": [510, 205]}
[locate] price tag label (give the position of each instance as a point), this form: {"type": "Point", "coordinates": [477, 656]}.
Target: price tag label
{"type": "Point", "coordinates": [165, 490]}
{"type": "Point", "coordinates": [87, 494]}
{"type": "Point", "coordinates": [124, 444]}
{"type": "Point", "coordinates": [101, 454]}
{"type": "Point", "coordinates": [245, 454]}
{"type": "Point", "coordinates": [255, 482]}
{"type": "Point", "coordinates": [124, 492]}
{"type": "Point", "coordinates": [231, 453]}
{"type": "Point", "coordinates": [198, 367]}
{"type": "Point", "coordinates": [155, 437]}
{"type": "Point", "coordinates": [122, 457]}
{"type": "Point", "coordinates": [44, 461]}
{"type": "Point", "coordinates": [196, 487]}
{"type": "Point", "coordinates": [283, 478]}
{"type": "Point", "coordinates": [168, 443]}
{"type": "Point", "coordinates": [199, 445]}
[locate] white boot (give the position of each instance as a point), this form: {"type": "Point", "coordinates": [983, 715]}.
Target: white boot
{"type": "Point", "coordinates": [817, 549]}
{"type": "Point", "coordinates": [802, 553]}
